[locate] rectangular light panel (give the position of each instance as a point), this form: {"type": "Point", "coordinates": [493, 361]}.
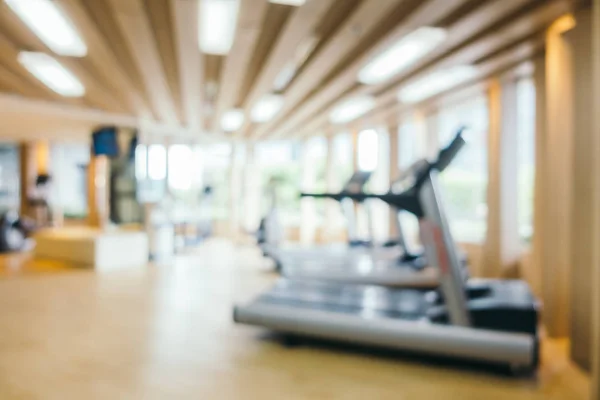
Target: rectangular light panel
{"type": "Point", "coordinates": [52, 74]}
{"type": "Point", "coordinates": [435, 83]}
{"type": "Point", "coordinates": [266, 108]}
{"type": "Point", "coordinates": [49, 23]}
{"type": "Point", "coordinates": [218, 20]}
{"type": "Point", "coordinates": [232, 120]}
{"type": "Point", "coordinates": [289, 2]}
{"type": "Point", "coordinates": [404, 53]}
{"type": "Point", "coordinates": [351, 109]}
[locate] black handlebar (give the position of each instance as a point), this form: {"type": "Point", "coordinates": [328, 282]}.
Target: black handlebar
{"type": "Point", "coordinates": [448, 153]}
{"type": "Point", "coordinates": [405, 200]}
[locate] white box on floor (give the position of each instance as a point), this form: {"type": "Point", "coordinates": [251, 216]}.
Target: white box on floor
{"type": "Point", "coordinates": [101, 249]}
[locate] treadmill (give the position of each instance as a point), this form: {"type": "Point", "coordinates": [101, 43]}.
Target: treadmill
{"type": "Point", "coordinates": [401, 267]}
{"type": "Point", "coordinates": [347, 197]}
{"type": "Point", "coordinates": [493, 321]}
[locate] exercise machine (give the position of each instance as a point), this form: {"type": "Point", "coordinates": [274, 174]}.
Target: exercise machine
{"type": "Point", "coordinates": [270, 233]}
{"type": "Point", "coordinates": [491, 321]}
{"type": "Point", "coordinates": [398, 266]}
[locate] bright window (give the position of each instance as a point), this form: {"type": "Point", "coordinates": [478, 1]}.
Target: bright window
{"type": "Point", "coordinates": [379, 183]}
{"type": "Point", "coordinates": [526, 151]}
{"type": "Point", "coordinates": [217, 160]}
{"type": "Point", "coordinates": [141, 162]}
{"type": "Point", "coordinates": [314, 157]}
{"type": "Point", "coordinates": [68, 166]}
{"type": "Point", "coordinates": [180, 163]}
{"type": "Point", "coordinates": [464, 182]}
{"type": "Point", "coordinates": [368, 150]}
{"type": "Point", "coordinates": [410, 148]}
{"type": "Point", "coordinates": [157, 162]}
{"type": "Point", "coordinates": [9, 178]}
{"type": "Point", "coordinates": [343, 160]}
{"type": "Point", "coordinates": [280, 167]}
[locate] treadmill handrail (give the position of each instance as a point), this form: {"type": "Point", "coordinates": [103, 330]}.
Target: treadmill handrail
{"type": "Point", "coordinates": [405, 200]}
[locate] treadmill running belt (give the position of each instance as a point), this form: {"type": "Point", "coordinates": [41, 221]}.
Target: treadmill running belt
{"type": "Point", "coordinates": [364, 300]}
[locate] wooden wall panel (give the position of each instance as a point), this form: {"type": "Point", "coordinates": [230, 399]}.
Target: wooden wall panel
{"type": "Point", "coordinates": [557, 175]}
{"type": "Point", "coordinates": [535, 269]}
{"type": "Point", "coordinates": [582, 239]}
{"type": "Point", "coordinates": [595, 392]}
{"type": "Point", "coordinates": [502, 244]}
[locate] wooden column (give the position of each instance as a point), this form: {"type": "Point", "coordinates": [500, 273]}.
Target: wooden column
{"type": "Point", "coordinates": [329, 231]}
{"type": "Point", "coordinates": [502, 248]}
{"type": "Point", "coordinates": [98, 191]}
{"type": "Point", "coordinates": [596, 193]}
{"type": "Point", "coordinates": [235, 189]}
{"type": "Point", "coordinates": [582, 207]}
{"type": "Point", "coordinates": [557, 174]}
{"type": "Point", "coordinates": [392, 128]}
{"type": "Point", "coordinates": [535, 275]}
{"type": "Point", "coordinates": [28, 172]}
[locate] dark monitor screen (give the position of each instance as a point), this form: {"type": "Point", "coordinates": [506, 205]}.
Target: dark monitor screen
{"type": "Point", "coordinates": [105, 142]}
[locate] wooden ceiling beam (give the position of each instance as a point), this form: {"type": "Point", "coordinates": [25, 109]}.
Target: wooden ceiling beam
{"type": "Point", "coordinates": [301, 25]}
{"type": "Point", "coordinates": [9, 53]}
{"type": "Point", "coordinates": [102, 60]}
{"type": "Point", "coordinates": [134, 23]}
{"type": "Point", "coordinates": [186, 27]}
{"type": "Point", "coordinates": [96, 94]}
{"type": "Point", "coordinates": [494, 66]}
{"type": "Point", "coordinates": [19, 85]}
{"type": "Point", "coordinates": [160, 16]}
{"type": "Point", "coordinates": [362, 21]}
{"type": "Point", "coordinates": [525, 25]}
{"type": "Point", "coordinates": [252, 16]}
{"type": "Point", "coordinates": [500, 62]}
{"type": "Point", "coordinates": [429, 13]}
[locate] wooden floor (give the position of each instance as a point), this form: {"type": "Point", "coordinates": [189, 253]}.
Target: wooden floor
{"type": "Point", "coordinates": [165, 332]}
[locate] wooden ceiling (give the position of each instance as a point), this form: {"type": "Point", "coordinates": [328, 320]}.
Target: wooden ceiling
{"type": "Point", "coordinates": [144, 61]}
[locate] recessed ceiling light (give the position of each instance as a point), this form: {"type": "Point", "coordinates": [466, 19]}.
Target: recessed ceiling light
{"type": "Point", "coordinates": [404, 53]}
{"type": "Point", "coordinates": [52, 74]}
{"type": "Point", "coordinates": [49, 23]}
{"type": "Point", "coordinates": [290, 69]}
{"type": "Point", "coordinates": [232, 120]}
{"type": "Point", "coordinates": [289, 2]}
{"type": "Point", "coordinates": [351, 109]}
{"type": "Point", "coordinates": [218, 20]}
{"type": "Point", "coordinates": [435, 83]}
{"type": "Point", "coordinates": [266, 108]}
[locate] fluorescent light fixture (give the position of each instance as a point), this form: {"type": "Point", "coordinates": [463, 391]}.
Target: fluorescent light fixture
{"type": "Point", "coordinates": [52, 74]}
{"type": "Point", "coordinates": [284, 77]}
{"type": "Point", "coordinates": [289, 2]}
{"type": "Point", "coordinates": [232, 120]}
{"type": "Point", "coordinates": [266, 108]}
{"type": "Point", "coordinates": [47, 21]}
{"type": "Point", "coordinates": [435, 83]}
{"type": "Point", "coordinates": [404, 53]}
{"type": "Point", "coordinates": [289, 70]}
{"type": "Point", "coordinates": [351, 109]}
{"type": "Point", "coordinates": [218, 20]}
